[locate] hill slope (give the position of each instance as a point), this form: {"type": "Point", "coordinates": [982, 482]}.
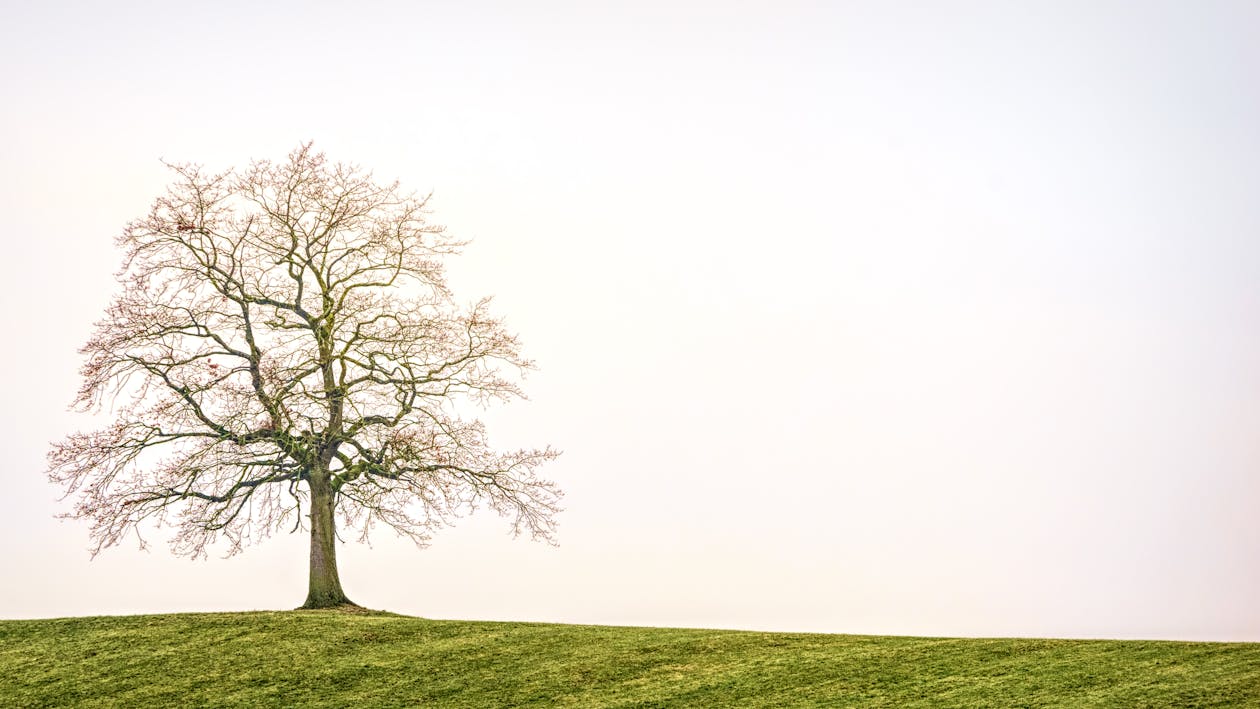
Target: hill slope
{"type": "Point", "coordinates": [327, 658]}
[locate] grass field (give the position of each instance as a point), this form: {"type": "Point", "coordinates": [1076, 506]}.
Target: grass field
{"type": "Point", "coordinates": [330, 658]}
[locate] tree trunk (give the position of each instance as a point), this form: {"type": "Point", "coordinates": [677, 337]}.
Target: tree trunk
{"type": "Point", "coordinates": [325, 589]}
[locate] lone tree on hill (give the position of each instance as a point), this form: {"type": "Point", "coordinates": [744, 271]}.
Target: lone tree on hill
{"type": "Point", "coordinates": [285, 353]}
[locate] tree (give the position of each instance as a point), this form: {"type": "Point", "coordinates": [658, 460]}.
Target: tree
{"type": "Point", "coordinates": [285, 352]}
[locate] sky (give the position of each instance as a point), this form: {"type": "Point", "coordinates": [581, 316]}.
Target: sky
{"type": "Point", "coordinates": [853, 317]}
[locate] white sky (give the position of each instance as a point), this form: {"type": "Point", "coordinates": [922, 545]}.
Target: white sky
{"type": "Point", "coordinates": [917, 318]}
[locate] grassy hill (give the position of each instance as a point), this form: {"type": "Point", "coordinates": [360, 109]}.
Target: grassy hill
{"type": "Point", "coordinates": [329, 658]}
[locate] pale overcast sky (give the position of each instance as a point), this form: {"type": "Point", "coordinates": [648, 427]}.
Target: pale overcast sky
{"type": "Point", "coordinates": [935, 318]}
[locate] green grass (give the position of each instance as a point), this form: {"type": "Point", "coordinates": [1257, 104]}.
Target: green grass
{"type": "Point", "coordinates": [329, 658]}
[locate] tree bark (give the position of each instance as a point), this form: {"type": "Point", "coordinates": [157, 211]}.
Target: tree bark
{"type": "Point", "coordinates": [325, 586]}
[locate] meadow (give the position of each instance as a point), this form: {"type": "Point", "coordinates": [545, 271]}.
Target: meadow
{"type": "Point", "coordinates": [334, 658]}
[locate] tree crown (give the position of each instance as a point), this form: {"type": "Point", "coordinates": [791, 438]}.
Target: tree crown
{"type": "Point", "coordinates": [285, 325]}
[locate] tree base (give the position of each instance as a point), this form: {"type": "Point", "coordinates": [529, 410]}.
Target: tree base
{"type": "Point", "coordinates": [348, 607]}
{"type": "Point", "coordinates": [352, 608]}
{"type": "Point", "coordinates": [327, 600]}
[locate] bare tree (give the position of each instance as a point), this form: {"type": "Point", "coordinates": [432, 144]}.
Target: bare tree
{"type": "Point", "coordinates": [285, 353]}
